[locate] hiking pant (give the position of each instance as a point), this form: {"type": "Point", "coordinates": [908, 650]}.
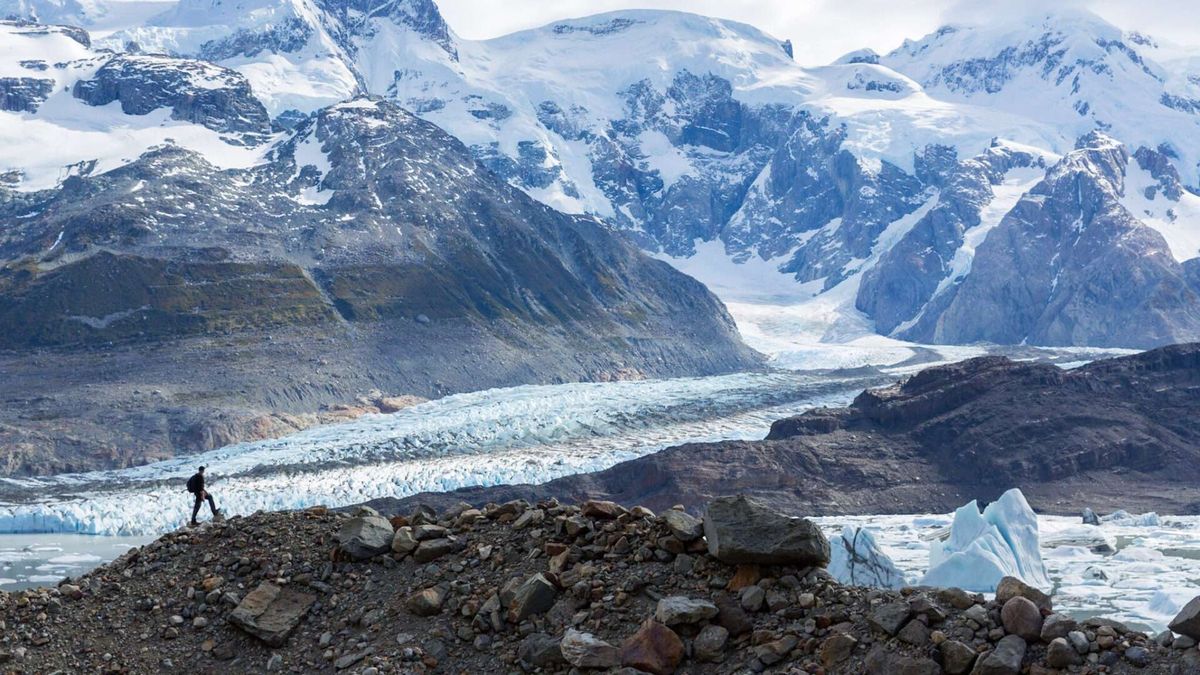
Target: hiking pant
{"type": "Point", "coordinates": [200, 497]}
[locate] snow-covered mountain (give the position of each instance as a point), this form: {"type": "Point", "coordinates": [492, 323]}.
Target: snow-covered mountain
{"type": "Point", "coordinates": [873, 181]}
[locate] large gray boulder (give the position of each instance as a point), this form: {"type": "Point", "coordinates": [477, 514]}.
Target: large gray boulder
{"type": "Point", "coordinates": [271, 612]}
{"type": "Point", "coordinates": [364, 537]}
{"type": "Point", "coordinates": [741, 530]}
{"type": "Point", "coordinates": [1187, 621]}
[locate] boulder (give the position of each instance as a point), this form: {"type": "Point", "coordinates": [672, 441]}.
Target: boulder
{"type": "Point", "coordinates": [271, 612]}
{"type": "Point", "coordinates": [654, 648]}
{"type": "Point", "coordinates": [709, 645]}
{"type": "Point", "coordinates": [535, 596]}
{"type": "Point", "coordinates": [403, 542]}
{"type": "Point", "coordinates": [1011, 587]}
{"type": "Point", "coordinates": [541, 651]}
{"type": "Point", "coordinates": [602, 510]}
{"type": "Point", "coordinates": [584, 650]}
{"type": "Point", "coordinates": [1187, 621]}
{"type": "Point", "coordinates": [432, 549]}
{"type": "Point", "coordinates": [742, 530]}
{"type": "Point", "coordinates": [882, 662]}
{"type": "Point", "coordinates": [890, 618]}
{"type": "Point", "coordinates": [684, 526]}
{"type": "Point", "coordinates": [1005, 659]}
{"type": "Point", "coordinates": [1021, 617]}
{"type": "Point", "coordinates": [1060, 654]}
{"type": "Point", "coordinates": [1057, 626]}
{"type": "Point", "coordinates": [837, 648]}
{"type": "Point", "coordinates": [365, 536]}
{"type": "Point", "coordinates": [957, 657]}
{"type": "Point", "coordinates": [678, 609]}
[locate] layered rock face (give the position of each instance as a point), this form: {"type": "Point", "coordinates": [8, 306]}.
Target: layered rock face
{"type": "Point", "coordinates": [1117, 432]}
{"type": "Point", "coordinates": [371, 245]}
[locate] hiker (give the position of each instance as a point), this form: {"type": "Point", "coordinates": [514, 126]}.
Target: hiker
{"type": "Point", "coordinates": [195, 485]}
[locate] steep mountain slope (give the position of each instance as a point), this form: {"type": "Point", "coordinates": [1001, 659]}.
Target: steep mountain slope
{"type": "Point", "coordinates": [1117, 433]}
{"type": "Point", "coordinates": [371, 244]}
{"type": "Point", "coordinates": [872, 181]}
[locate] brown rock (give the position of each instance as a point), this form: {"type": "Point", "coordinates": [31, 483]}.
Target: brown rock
{"type": "Point", "coordinates": [654, 648]}
{"type": "Point", "coordinates": [957, 657]}
{"type": "Point", "coordinates": [746, 575]}
{"type": "Point", "coordinates": [1012, 587]}
{"type": "Point", "coordinates": [602, 510]}
{"type": "Point", "coordinates": [426, 602]}
{"type": "Point", "coordinates": [1021, 617]}
{"type": "Point", "coordinates": [271, 612]}
{"type": "Point", "coordinates": [837, 648]}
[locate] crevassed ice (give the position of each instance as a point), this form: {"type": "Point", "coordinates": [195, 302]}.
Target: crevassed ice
{"type": "Point", "coordinates": [527, 434]}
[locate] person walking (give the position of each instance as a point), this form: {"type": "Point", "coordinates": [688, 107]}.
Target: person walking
{"type": "Point", "coordinates": [195, 485]}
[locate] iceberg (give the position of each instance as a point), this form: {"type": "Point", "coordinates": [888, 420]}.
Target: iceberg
{"type": "Point", "coordinates": [984, 547]}
{"type": "Point", "coordinates": [856, 559]}
{"type": "Point", "coordinates": [1127, 519]}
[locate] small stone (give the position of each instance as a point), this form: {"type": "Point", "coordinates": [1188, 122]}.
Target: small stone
{"type": "Point", "coordinates": [678, 609]}
{"type": "Point", "coordinates": [1138, 656]}
{"type": "Point", "coordinates": [1060, 654]}
{"type": "Point", "coordinates": [275, 662]}
{"type": "Point", "coordinates": [1079, 641]}
{"type": "Point", "coordinates": [752, 598]}
{"type": "Point", "coordinates": [529, 518]}
{"type": "Point", "coordinates": [1021, 617]}
{"type": "Point", "coordinates": [654, 648]}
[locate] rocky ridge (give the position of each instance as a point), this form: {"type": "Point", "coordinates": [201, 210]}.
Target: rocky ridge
{"type": "Point", "coordinates": [1116, 433]}
{"type": "Point", "coordinates": [541, 587]}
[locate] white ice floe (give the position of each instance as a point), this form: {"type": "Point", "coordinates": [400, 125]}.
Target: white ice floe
{"type": "Point", "coordinates": [986, 547]}
{"type": "Point", "coordinates": [855, 558]}
{"type": "Point", "coordinates": [1123, 517]}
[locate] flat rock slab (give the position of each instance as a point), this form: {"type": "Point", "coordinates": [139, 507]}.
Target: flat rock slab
{"type": "Point", "coordinates": [742, 530]}
{"type": "Point", "coordinates": [271, 612]}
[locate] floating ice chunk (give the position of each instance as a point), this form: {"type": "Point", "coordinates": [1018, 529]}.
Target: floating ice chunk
{"type": "Point", "coordinates": [1127, 519]}
{"type": "Point", "coordinates": [856, 559]}
{"type": "Point", "coordinates": [1088, 537]}
{"type": "Point", "coordinates": [1138, 554]}
{"type": "Point", "coordinates": [985, 547]}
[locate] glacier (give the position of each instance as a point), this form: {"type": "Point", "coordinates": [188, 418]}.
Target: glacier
{"type": "Point", "coordinates": [526, 434]}
{"type": "Point", "coordinates": [984, 547]}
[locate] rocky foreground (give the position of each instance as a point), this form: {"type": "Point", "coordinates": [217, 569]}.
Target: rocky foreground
{"type": "Point", "coordinates": [1120, 433]}
{"type": "Point", "coordinates": [546, 587]}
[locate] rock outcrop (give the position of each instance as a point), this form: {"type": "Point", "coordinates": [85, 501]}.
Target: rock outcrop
{"type": "Point", "coordinates": [1118, 433]}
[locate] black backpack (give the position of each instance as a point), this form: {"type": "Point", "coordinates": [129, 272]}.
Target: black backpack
{"type": "Point", "coordinates": [193, 484]}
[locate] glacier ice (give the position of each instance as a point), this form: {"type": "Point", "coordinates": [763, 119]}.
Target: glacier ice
{"type": "Point", "coordinates": [527, 434]}
{"type": "Point", "coordinates": [1122, 517]}
{"type": "Point", "coordinates": [856, 559]}
{"type": "Point", "coordinates": [984, 547]}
